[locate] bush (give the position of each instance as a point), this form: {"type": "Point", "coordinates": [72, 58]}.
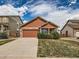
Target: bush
{"type": "Point", "coordinates": [3, 35]}
{"type": "Point", "coordinates": [55, 35]}
{"type": "Point", "coordinates": [49, 36]}
{"type": "Point", "coordinates": [44, 36]}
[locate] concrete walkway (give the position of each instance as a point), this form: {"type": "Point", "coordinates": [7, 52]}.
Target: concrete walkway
{"type": "Point", "coordinates": [19, 49]}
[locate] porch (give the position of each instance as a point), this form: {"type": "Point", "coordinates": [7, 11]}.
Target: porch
{"type": "Point", "coordinates": [47, 30]}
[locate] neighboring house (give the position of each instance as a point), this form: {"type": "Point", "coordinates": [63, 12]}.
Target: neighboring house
{"type": "Point", "coordinates": [70, 28]}
{"type": "Point", "coordinates": [10, 25]}
{"type": "Point", "coordinates": [31, 28]}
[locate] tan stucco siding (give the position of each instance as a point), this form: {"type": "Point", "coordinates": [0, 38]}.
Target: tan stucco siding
{"type": "Point", "coordinates": [12, 22]}
{"type": "Point", "coordinates": [75, 32]}
{"type": "Point", "coordinates": [69, 29]}
{"type": "Point", "coordinates": [17, 20]}
{"type": "Point", "coordinates": [12, 27]}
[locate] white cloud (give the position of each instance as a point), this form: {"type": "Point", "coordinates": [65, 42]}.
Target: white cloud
{"type": "Point", "coordinates": [53, 14]}
{"type": "Point", "coordinates": [8, 10]}
{"type": "Point", "coordinates": [73, 1]}
{"type": "Point", "coordinates": [30, 1]}
{"type": "Point", "coordinates": [25, 21]}
{"type": "Point", "coordinates": [22, 10]}
{"type": "Point", "coordinates": [41, 9]}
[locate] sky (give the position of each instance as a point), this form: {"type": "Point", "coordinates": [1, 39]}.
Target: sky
{"type": "Point", "coordinates": [56, 11]}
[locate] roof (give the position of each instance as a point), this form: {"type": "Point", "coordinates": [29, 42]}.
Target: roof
{"type": "Point", "coordinates": [72, 24]}
{"type": "Point", "coordinates": [12, 16]}
{"type": "Point", "coordinates": [40, 19]}
{"type": "Point", "coordinates": [49, 23]}
{"type": "Point", "coordinates": [8, 15]}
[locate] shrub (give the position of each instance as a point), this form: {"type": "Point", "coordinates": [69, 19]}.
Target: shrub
{"type": "Point", "coordinates": [55, 35]}
{"type": "Point", "coordinates": [3, 35]}
{"type": "Point", "coordinates": [49, 36]}
{"type": "Point", "coordinates": [42, 35]}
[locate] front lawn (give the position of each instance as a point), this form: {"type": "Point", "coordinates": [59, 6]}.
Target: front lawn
{"type": "Point", "coordinates": [57, 48]}
{"type": "Point", "coordinates": [5, 41]}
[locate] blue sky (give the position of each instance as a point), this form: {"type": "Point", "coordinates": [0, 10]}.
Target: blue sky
{"type": "Point", "coordinates": [57, 11]}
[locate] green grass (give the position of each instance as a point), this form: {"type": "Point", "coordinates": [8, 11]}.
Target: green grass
{"type": "Point", "coordinates": [57, 48]}
{"type": "Point", "coordinates": [5, 41]}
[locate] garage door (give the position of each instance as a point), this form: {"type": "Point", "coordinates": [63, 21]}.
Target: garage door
{"type": "Point", "coordinates": [29, 33]}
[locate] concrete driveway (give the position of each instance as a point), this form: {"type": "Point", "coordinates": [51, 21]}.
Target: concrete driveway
{"type": "Point", "coordinates": [20, 48]}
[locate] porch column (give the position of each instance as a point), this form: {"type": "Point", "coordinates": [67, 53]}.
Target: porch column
{"type": "Point", "coordinates": [40, 30]}
{"type": "Point", "coordinates": [48, 30]}
{"type": "Point", "coordinates": [2, 28]}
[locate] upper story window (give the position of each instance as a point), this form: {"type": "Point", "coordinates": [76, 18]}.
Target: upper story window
{"type": "Point", "coordinates": [4, 20]}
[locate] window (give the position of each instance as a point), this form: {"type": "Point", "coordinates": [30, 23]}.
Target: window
{"type": "Point", "coordinates": [5, 28]}
{"type": "Point", "coordinates": [44, 30]}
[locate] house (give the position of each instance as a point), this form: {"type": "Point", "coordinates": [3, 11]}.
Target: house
{"type": "Point", "coordinates": [31, 28]}
{"type": "Point", "coordinates": [70, 28]}
{"type": "Point", "coordinates": [10, 25]}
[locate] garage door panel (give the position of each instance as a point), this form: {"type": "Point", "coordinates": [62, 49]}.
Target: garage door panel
{"type": "Point", "coordinates": [29, 33]}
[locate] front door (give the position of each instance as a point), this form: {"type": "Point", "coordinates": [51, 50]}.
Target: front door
{"type": "Point", "coordinates": [66, 33]}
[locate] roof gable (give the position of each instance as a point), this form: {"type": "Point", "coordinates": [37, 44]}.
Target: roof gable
{"type": "Point", "coordinates": [49, 25]}
{"type": "Point", "coordinates": [72, 24]}
{"type": "Point", "coordinates": [38, 22]}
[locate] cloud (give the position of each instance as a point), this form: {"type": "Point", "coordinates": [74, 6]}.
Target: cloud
{"type": "Point", "coordinates": [75, 15]}
{"type": "Point", "coordinates": [72, 2]}
{"type": "Point", "coordinates": [22, 10]}
{"type": "Point", "coordinates": [30, 1]}
{"type": "Point", "coordinates": [54, 14]}
{"type": "Point", "coordinates": [25, 21]}
{"type": "Point", "coordinates": [58, 17]}
{"type": "Point", "coordinates": [50, 12]}
{"type": "Point", "coordinates": [8, 10]}
{"type": "Point", "coordinates": [41, 9]}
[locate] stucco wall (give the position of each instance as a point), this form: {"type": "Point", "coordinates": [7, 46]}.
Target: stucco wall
{"type": "Point", "coordinates": [75, 32]}
{"type": "Point", "coordinates": [13, 25]}
{"type": "Point", "coordinates": [13, 22]}
{"type": "Point", "coordinates": [69, 29]}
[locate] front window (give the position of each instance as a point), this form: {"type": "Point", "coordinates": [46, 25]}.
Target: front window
{"type": "Point", "coordinates": [44, 30]}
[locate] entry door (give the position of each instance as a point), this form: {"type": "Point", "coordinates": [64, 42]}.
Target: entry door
{"type": "Point", "coordinates": [66, 33]}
